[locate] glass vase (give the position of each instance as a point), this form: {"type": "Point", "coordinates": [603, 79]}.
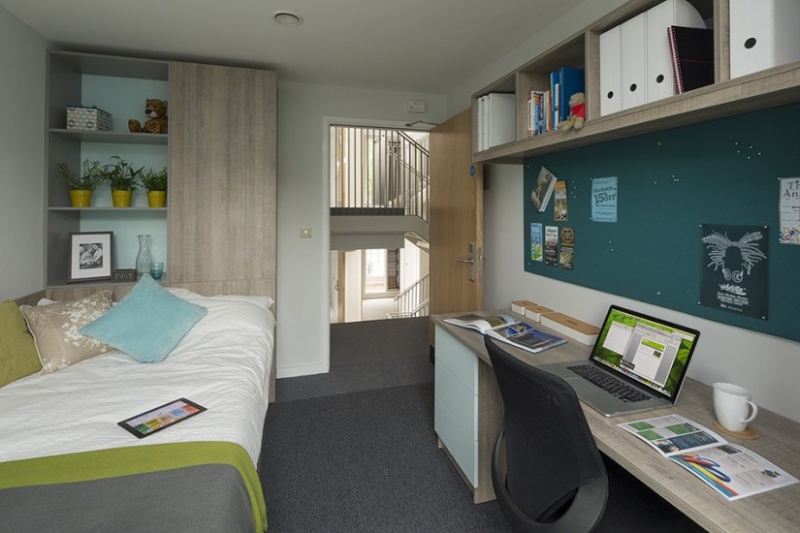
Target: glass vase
{"type": "Point", "coordinates": [143, 258]}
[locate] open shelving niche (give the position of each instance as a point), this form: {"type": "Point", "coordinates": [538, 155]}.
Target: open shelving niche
{"type": "Point", "coordinates": [120, 86]}
{"type": "Point", "coordinates": [726, 97]}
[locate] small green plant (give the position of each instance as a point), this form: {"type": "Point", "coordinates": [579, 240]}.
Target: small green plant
{"type": "Point", "coordinates": [91, 176]}
{"type": "Point", "coordinates": [121, 176]}
{"type": "Point", "coordinates": [155, 180]}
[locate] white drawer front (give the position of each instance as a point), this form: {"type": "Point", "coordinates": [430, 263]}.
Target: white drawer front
{"type": "Point", "coordinates": [458, 358]}
{"type": "Point", "coordinates": [463, 449]}
{"type": "Point", "coordinates": [459, 400]}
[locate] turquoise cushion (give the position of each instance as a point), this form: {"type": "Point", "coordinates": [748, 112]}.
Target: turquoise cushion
{"type": "Point", "coordinates": [146, 324]}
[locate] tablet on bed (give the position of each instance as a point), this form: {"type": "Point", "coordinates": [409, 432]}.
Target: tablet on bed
{"type": "Point", "coordinates": [163, 416]}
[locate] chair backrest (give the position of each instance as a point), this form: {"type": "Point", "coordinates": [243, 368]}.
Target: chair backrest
{"type": "Point", "coordinates": [550, 451]}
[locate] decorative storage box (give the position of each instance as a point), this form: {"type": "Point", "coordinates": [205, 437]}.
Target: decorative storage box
{"type": "Point", "coordinates": [88, 118]}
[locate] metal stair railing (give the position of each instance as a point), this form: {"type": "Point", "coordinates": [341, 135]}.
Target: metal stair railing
{"type": "Point", "coordinates": [380, 169]}
{"type": "Point", "coordinates": [413, 300]}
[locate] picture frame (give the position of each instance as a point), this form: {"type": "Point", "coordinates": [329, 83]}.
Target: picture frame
{"type": "Point", "coordinates": [89, 256]}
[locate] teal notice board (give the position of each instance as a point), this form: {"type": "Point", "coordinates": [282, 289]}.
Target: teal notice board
{"type": "Point", "coordinates": [670, 183]}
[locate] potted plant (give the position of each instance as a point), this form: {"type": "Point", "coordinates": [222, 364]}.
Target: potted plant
{"type": "Point", "coordinates": [81, 188]}
{"type": "Point", "coordinates": [155, 181]}
{"type": "Point", "coordinates": [122, 179]}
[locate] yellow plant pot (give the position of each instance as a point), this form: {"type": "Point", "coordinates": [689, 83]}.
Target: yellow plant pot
{"type": "Point", "coordinates": [157, 198]}
{"type": "Point", "coordinates": [121, 198]}
{"type": "Point", "coordinates": [80, 198]}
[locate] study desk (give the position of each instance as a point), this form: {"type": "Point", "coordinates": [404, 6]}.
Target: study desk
{"type": "Point", "coordinates": [467, 394]}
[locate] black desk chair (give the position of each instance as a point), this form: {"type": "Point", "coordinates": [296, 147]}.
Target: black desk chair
{"type": "Point", "coordinates": [556, 479]}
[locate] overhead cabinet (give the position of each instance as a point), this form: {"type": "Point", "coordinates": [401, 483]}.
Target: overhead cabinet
{"type": "Point", "coordinates": [630, 89]}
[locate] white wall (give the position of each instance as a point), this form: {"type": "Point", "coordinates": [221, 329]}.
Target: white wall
{"type": "Point", "coordinates": [22, 87]}
{"type": "Point", "coordinates": [302, 299]}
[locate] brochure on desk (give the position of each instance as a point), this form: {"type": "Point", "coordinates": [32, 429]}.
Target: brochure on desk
{"type": "Point", "coordinates": [734, 471]}
{"type": "Point", "coordinates": [504, 328]}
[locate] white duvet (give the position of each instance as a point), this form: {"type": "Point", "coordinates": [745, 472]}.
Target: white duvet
{"type": "Point", "coordinates": [223, 364]}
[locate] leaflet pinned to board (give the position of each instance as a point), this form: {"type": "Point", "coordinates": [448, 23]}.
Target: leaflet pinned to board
{"type": "Point", "coordinates": [734, 471]}
{"type": "Point", "coordinates": [790, 211]}
{"type": "Point", "coordinates": [604, 199]}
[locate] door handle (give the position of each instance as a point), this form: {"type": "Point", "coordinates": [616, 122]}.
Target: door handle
{"type": "Point", "coordinates": [469, 260]}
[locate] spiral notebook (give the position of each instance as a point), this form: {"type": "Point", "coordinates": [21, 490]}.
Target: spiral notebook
{"type": "Point", "coordinates": [692, 57]}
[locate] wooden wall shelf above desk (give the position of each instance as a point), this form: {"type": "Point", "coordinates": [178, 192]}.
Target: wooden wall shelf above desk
{"type": "Point", "coordinates": [726, 97]}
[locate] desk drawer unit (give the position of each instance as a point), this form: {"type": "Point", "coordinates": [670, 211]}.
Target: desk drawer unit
{"type": "Point", "coordinates": [456, 402]}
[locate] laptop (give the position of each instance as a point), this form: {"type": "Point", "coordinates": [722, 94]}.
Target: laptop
{"type": "Point", "coordinates": [638, 363]}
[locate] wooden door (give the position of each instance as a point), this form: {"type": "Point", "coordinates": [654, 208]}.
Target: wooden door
{"type": "Point", "coordinates": [456, 219]}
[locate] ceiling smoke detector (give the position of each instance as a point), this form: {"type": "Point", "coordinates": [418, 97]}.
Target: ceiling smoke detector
{"type": "Point", "coordinates": [287, 18]}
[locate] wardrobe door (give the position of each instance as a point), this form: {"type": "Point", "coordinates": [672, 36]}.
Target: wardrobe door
{"type": "Point", "coordinates": [222, 219]}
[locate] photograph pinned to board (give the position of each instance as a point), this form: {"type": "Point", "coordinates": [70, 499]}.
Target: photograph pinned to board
{"type": "Point", "coordinates": [790, 211]}
{"type": "Point", "coordinates": [551, 245]}
{"type": "Point", "coordinates": [566, 255]}
{"type": "Point", "coordinates": [543, 189]}
{"type": "Point", "coordinates": [604, 199]}
{"type": "Point", "coordinates": [560, 201]}
{"type": "Point", "coordinates": [536, 242]}
{"type": "Point", "coordinates": [733, 273]}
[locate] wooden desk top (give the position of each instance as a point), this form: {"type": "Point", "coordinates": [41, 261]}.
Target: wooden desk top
{"type": "Point", "coordinates": [773, 511]}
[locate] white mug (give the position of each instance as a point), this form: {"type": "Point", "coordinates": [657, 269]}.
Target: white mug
{"type": "Point", "coordinates": [732, 405]}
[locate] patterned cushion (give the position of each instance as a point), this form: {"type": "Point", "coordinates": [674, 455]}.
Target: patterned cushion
{"type": "Point", "coordinates": [18, 357]}
{"type": "Point", "coordinates": [56, 330]}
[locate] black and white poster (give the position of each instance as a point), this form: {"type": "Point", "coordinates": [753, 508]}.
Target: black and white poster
{"type": "Point", "coordinates": [733, 274]}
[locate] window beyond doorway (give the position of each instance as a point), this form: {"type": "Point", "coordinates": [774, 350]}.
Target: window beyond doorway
{"type": "Point", "coordinates": [381, 271]}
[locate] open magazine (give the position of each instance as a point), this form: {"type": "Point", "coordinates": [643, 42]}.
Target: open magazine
{"type": "Point", "coordinates": [734, 471]}
{"type": "Point", "coordinates": [506, 329]}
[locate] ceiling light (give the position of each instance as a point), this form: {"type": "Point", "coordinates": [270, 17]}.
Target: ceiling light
{"type": "Point", "coordinates": [287, 18]}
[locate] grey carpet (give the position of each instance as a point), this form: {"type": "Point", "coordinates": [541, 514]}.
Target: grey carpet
{"type": "Point", "coordinates": [365, 462]}
{"type": "Point", "coordinates": [367, 355]}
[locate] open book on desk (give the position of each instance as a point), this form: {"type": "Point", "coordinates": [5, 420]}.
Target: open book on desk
{"type": "Point", "coordinates": [506, 329]}
{"type": "Point", "coordinates": [734, 471]}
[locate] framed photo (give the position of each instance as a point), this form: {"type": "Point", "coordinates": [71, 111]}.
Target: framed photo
{"type": "Point", "coordinates": [89, 256]}
{"type": "Point", "coordinates": [163, 416]}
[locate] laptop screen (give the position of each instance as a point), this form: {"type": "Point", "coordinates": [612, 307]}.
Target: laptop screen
{"type": "Point", "coordinates": [650, 351]}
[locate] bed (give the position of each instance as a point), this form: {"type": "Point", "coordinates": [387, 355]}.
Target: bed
{"type": "Point", "coordinates": [65, 464]}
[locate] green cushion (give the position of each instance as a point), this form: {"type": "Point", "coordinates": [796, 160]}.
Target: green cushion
{"type": "Point", "coordinates": [18, 355]}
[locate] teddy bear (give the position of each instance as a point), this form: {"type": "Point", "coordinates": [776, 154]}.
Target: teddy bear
{"type": "Point", "coordinates": [577, 113]}
{"type": "Point", "coordinates": [156, 110]}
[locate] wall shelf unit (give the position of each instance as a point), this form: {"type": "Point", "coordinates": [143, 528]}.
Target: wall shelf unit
{"type": "Point", "coordinates": [726, 97]}
{"type": "Point", "coordinates": [120, 86]}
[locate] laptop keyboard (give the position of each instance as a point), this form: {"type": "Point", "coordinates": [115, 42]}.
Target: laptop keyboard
{"type": "Point", "coordinates": [618, 388]}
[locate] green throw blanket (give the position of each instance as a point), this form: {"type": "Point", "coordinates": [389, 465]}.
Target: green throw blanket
{"type": "Point", "coordinates": [104, 464]}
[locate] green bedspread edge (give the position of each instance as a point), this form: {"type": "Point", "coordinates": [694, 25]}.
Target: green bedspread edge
{"type": "Point", "coordinates": [115, 462]}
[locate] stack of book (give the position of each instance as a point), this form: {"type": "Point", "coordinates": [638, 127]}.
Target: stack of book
{"type": "Point", "coordinates": [546, 108]}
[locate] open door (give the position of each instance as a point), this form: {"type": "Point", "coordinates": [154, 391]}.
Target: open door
{"type": "Point", "coordinates": [456, 219]}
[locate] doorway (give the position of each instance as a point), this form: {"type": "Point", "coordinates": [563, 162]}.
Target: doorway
{"type": "Point", "coordinates": [379, 190]}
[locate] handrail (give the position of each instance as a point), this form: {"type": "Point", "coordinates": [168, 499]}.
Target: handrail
{"type": "Point", "coordinates": [379, 168]}
{"type": "Point", "coordinates": [413, 299]}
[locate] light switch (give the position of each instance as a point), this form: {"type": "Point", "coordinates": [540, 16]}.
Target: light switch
{"type": "Point", "coordinates": [305, 233]}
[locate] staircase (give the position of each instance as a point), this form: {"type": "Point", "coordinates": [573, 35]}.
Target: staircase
{"type": "Point", "coordinates": [413, 301]}
{"type": "Point", "coordinates": [379, 172]}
